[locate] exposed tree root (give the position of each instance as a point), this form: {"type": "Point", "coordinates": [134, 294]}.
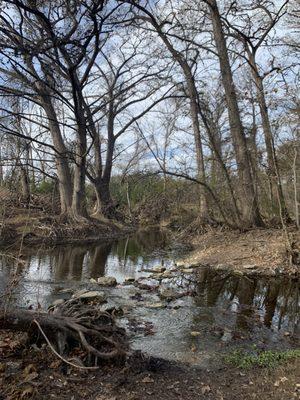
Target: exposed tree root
{"type": "Point", "coordinates": [72, 325]}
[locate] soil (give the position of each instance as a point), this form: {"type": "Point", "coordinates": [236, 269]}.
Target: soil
{"type": "Point", "coordinates": [34, 227]}
{"type": "Point", "coordinates": [264, 250]}
{"type": "Point", "coordinates": [38, 374]}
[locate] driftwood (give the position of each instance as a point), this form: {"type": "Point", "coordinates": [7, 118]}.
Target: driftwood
{"type": "Point", "coordinates": [70, 325]}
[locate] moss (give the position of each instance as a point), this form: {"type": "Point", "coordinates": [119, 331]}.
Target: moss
{"type": "Point", "coordinates": [265, 359]}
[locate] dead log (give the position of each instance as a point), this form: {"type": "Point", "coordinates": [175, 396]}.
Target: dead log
{"type": "Point", "coordinates": [71, 325]}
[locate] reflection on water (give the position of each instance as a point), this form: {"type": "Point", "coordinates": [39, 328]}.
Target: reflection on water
{"type": "Point", "coordinates": [272, 302]}
{"type": "Point", "coordinates": [42, 269]}
{"type": "Point", "coordinates": [225, 310]}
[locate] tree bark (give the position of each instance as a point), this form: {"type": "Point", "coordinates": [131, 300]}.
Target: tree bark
{"type": "Point", "coordinates": [78, 199]}
{"type": "Point", "coordinates": [25, 187]}
{"type": "Point", "coordinates": [61, 160]}
{"type": "Point", "coordinates": [105, 204]}
{"type": "Point", "coordinates": [79, 211]}
{"type": "Point", "coordinates": [273, 171]}
{"type": "Point", "coordinates": [248, 198]}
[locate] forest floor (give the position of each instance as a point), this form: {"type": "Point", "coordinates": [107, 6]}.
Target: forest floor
{"type": "Point", "coordinates": [261, 251]}
{"type": "Point", "coordinates": [38, 374]}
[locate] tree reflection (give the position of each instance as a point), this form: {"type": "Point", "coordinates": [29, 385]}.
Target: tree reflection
{"type": "Point", "coordinates": [98, 259]}
{"type": "Point", "coordinates": [274, 302]}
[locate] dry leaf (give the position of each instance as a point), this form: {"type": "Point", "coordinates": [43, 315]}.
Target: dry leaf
{"type": "Point", "coordinates": [29, 369]}
{"type": "Point", "coordinates": [283, 379]}
{"type": "Point", "coordinates": [27, 392]}
{"type": "Point", "coordinates": [147, 379]}
{"type": "Point", "coordinates": [205, 389]}
{"type": "Point", "coordinates": [31, 377]}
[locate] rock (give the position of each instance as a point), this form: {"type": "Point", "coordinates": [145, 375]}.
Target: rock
{"type": "Point", "coordinates": [187, 270]}
{"type": "Point", "coordinates": [154, 305]}
{"type": "Point", "coordinates": [107, 281]}
{"type": "Point", "coordinates": [195, 333]}
{"type": "Point", "coordinates": [196, 265]}
{"type": "Point", "coordinates": [92, 280]}
{"type": "Point", "coordinates": [57, 302]}
{"type": "Point", "coordinates": [176, 304]}
{"type": "Point", "coordinates": [237, 272]}
{"type": "Point", "coordinates": [221, 266]}
{"type": "Point", "coordinates": [159, 269]}
{"type": "Point", "coordinates": [67, 290]}
{"type": "Point", "coordinates": [129, 279]}
{"type": "Point", "coordinates": [90, 295]}
{"type": "Point", "coordinates": [250, 266]}
{"type": "Point", "coordinates": [156, 275]}
{"type": "Point", "coordinates": [227, 336]}
{"type": "Point", "coordinates": [167, 274]}
{"type": "Point", "coordinates": [147, 284]}
{"type": "Point", "coordinates": [170, 294]}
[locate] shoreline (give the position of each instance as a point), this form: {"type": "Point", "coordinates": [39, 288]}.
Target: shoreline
{"type": "Point", "coordinates": [255, 252]}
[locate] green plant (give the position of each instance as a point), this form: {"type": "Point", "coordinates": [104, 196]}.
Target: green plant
{"type": "Point", "coordinates": [269, 358]}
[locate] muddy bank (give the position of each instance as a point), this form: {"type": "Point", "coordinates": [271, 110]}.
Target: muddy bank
{"type": "Point", "coordinates": [37, 374]}
{"type": "Point", "coordinates": [258, 251]}
{"type": "Point", "coordinates": [32, 228]}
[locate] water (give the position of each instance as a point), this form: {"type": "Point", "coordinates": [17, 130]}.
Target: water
{"type": "Point", "coordinates": [224, 312]}
{"type": "Point", "coordinates": [42, 270]}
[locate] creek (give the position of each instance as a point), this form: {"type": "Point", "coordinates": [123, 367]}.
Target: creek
{"type": "Point", "coordinates": [217, 313]}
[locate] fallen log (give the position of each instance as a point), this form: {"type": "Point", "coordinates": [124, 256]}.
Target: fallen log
{"type": "Point", "coordinates": [71, 325]}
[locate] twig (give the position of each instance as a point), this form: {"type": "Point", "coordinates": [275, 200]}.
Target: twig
{"type": "Point", "coordinates": [57, 354]}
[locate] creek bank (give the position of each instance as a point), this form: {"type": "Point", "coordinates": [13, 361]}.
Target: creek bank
{"type": "Point", "coordinates": [255, 252]}
{"type": "Point", "coordinates": [33, 229]}
{"type": "Point", "coordinates": [36, 374]}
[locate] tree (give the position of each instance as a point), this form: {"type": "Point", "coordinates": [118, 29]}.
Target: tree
{"type": "Point", "coordinates": [253, 39]}
{"type": "Point", "coordinates": [249, 201]}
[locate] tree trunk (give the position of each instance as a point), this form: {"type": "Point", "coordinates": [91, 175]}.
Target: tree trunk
{"type": "Point", "coordinates": [297, 217]}
{"type": "Point", "coordinates": [273, 171]}
{"type": "Point", "coordinates": [201, 176]}
{"type": "Point", "coordinates": [79, 211]}
{"type": "Point", "coordinates": [248, 198]}
{"type": "Point", "coordinates": [193, 97]}
{"type": "Point", "coordinates": [78, 199]}
{"type": "Point", "coordinates": [61, 160]}
{"type": "Point", "coordinates": [1, 169]}
{"type": "Point", "coordinates": [25, 187]}
{"type": "Point", "coordinates": [105, 204]}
